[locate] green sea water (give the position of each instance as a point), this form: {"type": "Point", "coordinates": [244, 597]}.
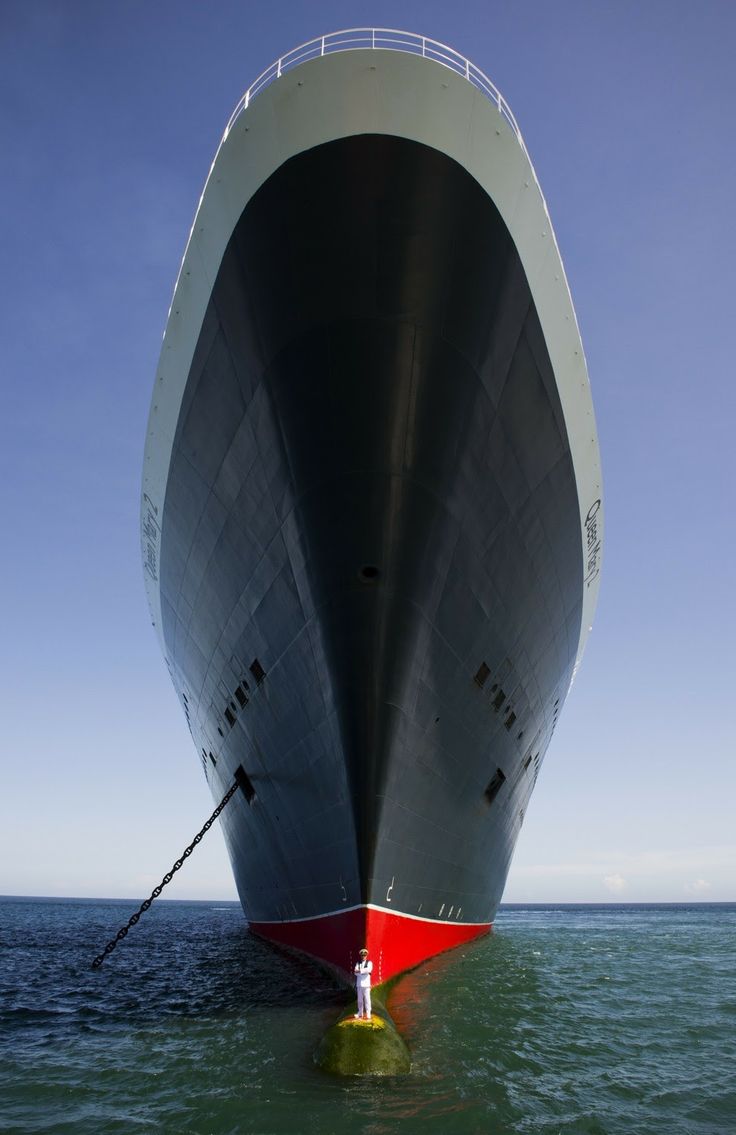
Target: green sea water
{"type": "Point", "coordinates": [604, 1020]}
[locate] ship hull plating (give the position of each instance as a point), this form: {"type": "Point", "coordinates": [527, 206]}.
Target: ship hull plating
{"type": "Point", "coordinates": [369, 550]}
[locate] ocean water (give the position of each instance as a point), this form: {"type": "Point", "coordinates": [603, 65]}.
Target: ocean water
{"type": "Point", "coordinates": [603, 1020]}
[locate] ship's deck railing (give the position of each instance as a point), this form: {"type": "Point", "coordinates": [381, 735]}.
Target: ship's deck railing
{"type": "Point", "coordinates": [385, 39]}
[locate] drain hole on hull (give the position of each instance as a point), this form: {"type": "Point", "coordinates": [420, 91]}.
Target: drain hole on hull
{"type": "Point", "coordinates": [369, 573]}
{"type": "Point", "coordinates": [494, 785]}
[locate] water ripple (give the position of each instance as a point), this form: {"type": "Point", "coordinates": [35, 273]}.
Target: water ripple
{"type": "Point", "coordinates": [566, 1021]}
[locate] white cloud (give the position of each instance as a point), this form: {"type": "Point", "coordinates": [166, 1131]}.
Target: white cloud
{"type": "Point", "coordinates": [697, 886]}
{"type": "Point", "coordinates": [651, 875]}
{"type": "Point", "coordinates": [650, 864]}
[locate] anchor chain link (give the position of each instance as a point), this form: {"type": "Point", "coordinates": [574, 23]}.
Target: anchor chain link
{"type": "Point", "coordinates": [134, 918]}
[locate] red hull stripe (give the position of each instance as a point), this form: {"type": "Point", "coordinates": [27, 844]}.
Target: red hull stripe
{"type": "Point", "coordinates": [395, 942]}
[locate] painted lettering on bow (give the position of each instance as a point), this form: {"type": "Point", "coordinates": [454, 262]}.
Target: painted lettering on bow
{"type": "Point", "coordinates": [593, 543]}
{"type": "Point", "coordinates": [151, 537]}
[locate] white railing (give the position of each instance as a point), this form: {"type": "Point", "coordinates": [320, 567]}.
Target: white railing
{"type": "Point", "coordinates": [385, 39]}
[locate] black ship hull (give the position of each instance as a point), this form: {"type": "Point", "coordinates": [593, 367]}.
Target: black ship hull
{"type": "Point", "coordinates": [369, 558]}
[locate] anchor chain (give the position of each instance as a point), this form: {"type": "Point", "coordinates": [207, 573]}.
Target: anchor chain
{"type": "Point", "coordinates": [166, 879]}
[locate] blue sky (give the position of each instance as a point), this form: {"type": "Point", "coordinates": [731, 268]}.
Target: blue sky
{"type": "Point", "coordinates": [109, 118]}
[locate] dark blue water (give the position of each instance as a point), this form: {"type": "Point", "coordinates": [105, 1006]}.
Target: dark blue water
{"type": "Point", "coordinates": [595, 1020]}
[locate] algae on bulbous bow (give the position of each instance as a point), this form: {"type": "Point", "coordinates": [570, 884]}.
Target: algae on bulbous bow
{"type": "Point", "coordinates": [364, 1048]}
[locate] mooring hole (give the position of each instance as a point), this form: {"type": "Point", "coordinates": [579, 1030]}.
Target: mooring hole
{"type": "Point", "coordinates": [245, 783]}
{"type": "Point", "coordinates": [494, 785]}
{"type": "Point", "coordinates": [368, 573]}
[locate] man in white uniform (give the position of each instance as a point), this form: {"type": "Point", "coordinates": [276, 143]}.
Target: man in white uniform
{"type": "Point", "coordinates": [363, 971]}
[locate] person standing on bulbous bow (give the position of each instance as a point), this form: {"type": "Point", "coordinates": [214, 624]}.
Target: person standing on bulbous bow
{"type": "Point", "coordinates": [363, 971]}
